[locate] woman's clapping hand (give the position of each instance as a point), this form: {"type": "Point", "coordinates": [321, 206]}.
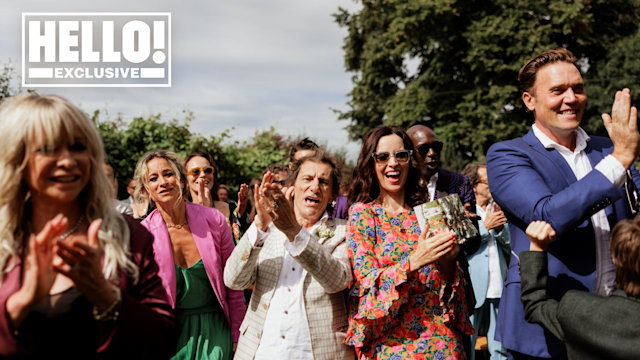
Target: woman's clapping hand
{"type": "Point", "coordinates": [81, 262]}
{"type": "Point", "coordinates": [203, 197]}
{"type": "Point", "coordinates": [243, 199]}
{"type": "Point", "coordinates": [441, 245]}
{"type": "Point", "coordinates": [39, 274]}
{"type": "Point", "coordinates": [48, 255]}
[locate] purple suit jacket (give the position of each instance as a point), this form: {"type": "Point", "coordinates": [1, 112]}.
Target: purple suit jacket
{"type": "Point", "coordinates": [450, 182]}
{"type": "Point", "coordinates": [215, 244]}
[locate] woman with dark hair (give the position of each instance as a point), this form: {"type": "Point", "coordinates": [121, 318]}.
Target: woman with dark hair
{"type": "Point", "coordinates": [192, 245]}
{"type": "Point", "coordinates": [408, 297]}
{"type": "Point", "coordinates": [202, 178]}
{"type": "Point", "coordinates": [78, 279]}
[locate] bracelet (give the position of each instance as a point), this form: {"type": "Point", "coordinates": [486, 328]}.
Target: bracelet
{"type": "Point", "coordinates": [111, 313]}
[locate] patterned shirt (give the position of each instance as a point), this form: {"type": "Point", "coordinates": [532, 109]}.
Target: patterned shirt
{"type": "Point", "coordinates": [395, 314]}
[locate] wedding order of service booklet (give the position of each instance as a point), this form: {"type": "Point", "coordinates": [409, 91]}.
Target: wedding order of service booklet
{"type": "Point", "coordinates": [446, 213]}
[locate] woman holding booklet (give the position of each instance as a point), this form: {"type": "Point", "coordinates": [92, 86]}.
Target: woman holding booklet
{"type": "Point", "coordinates": [408, 295]}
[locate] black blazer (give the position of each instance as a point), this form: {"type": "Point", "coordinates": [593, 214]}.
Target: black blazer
{"type": "Point", "coordinates": [591, 326]}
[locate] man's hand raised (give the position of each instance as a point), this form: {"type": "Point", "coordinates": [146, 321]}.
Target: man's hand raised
{"type": "Point", "coordinates": [622, 127]}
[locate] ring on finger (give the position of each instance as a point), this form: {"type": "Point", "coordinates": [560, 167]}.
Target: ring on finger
{"type": "Point", "coordinates": [75, 267]}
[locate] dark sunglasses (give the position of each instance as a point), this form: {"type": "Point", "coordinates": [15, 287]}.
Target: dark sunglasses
{"type": "Point", "coordinates": [401, 156]}
{"type": "Point", "coordinates": [424, 148]}
{"type": "Point", "coordinates": [196, 171]}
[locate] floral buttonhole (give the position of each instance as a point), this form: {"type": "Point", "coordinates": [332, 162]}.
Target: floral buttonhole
{"type": "Point", "coordinates": [324, 232]}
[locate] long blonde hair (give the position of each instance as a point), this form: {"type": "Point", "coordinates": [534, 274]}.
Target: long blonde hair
{"type": "Point", "coordinates": [31, 119]}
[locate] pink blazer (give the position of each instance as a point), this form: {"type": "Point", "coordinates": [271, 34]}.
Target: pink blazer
{"type": "Point", "coordinates": [215, 244]}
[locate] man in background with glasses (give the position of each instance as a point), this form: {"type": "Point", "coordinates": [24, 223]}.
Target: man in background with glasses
{"type": "Point", "coordinates": [442, 182]}
{"type": "Point", "coordinates": [575, 182]}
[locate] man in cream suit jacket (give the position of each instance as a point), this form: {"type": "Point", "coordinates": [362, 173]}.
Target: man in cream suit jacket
{"type": "Point", "coordinates": [297, 309]}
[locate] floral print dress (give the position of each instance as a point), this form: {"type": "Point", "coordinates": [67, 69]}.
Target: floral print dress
{"type": "Point", "coordinates": [394, 314]}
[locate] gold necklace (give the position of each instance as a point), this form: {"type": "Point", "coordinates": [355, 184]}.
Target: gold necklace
{"type": "Point", "coordinates": [177, 226]}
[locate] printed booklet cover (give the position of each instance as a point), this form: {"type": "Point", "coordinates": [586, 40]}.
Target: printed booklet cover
{"type": "Point", "coordinates": [446, 213]}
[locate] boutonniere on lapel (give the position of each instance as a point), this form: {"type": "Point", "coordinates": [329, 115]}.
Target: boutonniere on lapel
{"type": "Point", "coordinates": [324, 232]}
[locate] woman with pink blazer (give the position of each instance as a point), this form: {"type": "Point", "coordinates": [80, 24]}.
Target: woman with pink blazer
{"type": "Point", "coordinates": [191, 246]}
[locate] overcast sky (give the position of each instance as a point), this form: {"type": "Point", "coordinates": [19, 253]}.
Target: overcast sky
{"type": "Point", "coordinates": [247, 64]}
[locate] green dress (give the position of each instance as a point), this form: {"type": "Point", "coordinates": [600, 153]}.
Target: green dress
{"type": "Point", "coordinates": [205, 332]}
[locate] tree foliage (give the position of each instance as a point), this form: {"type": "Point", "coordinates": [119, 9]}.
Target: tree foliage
{"type": "Point", "coordinates": [453, 64]}
{"type": "Point", "coordinates": [8, 81]}
{"type": "Point", "coordinates": [242, 161]}
{"type": "Point", "coordinates": [237, 161]}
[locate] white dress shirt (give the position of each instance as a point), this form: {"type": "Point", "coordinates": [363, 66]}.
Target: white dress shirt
{"type": "Point", "coordinates": [613, 170]}
{"type": "Point", "coordinates": [286, 329]}
{"type": "Point", "coordinates": [432, 186]}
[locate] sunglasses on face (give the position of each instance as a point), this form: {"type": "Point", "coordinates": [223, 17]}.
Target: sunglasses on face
{"type": "Point", "coordinates": [424, 148]}
{"type": "Point", "coordinates": [196, 171]}
{"type": "Point", "coordinates": [401, 156]}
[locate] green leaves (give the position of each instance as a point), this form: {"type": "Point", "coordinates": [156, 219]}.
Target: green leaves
{"type": "Point", "coordinates": [237, 162]}
{"type": "Point", "coordinates": [126, 143]}
{"type": "Point", "coordinates": [241, 162]}
{"type": "Point", "coordinates": [465, 58]}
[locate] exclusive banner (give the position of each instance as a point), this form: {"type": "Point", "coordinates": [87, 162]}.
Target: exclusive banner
{"type": "Point", "coordinates": [96, 49]}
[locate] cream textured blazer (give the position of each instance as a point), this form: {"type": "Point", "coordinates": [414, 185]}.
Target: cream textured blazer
{"type": "Point", "coordinates": [328, 273]}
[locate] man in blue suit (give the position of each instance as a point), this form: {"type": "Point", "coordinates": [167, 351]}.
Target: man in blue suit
{"type": "Point", "coordinates": [582, 185]}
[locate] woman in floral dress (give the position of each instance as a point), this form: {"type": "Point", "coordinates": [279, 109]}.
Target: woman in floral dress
{"type": "Point", "coordinates": [407, 300]}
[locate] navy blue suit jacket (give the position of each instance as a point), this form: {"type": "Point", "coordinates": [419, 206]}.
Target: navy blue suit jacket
{"type": "Point", "coordinates": [530, 182]}
{"type": "Point", "coordinates": [450, 182]}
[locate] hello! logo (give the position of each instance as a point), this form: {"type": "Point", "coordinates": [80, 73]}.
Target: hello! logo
{"type": "Point", "coordinates": [96, 49]}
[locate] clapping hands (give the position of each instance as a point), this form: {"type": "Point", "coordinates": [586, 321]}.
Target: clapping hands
{"type": "Point", "coordinates": [82, 263]}
{"type": "Point", "coordinates": [47, 256]}
{"type": "Point", "coordinates": [243, 198]}
{"type": "Point", "coordinates": [440, 246]}
{"type": "Point", "coordinates": [275, 203]}
{"type": "Point", "coordinates": [203, 197]}
{"type": "Point", "coordinates": [39, 273]}
{"type": "Point", "coordinates": [494, 217]}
